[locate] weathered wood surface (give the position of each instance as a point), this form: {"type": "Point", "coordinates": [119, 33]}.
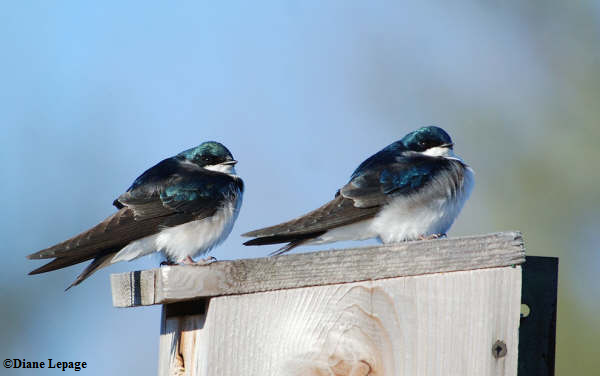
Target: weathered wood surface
{"type": "Point", "coordinates": [459, 323]}
{"type": "Point", "coordinates": [183, 282]}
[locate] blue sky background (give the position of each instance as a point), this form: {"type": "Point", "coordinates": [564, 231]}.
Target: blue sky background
{"type": "Point", "coordinates": [301, 93]}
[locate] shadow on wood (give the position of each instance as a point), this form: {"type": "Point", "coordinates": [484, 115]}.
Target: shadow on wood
{"type": "Point", "coordinates": [181, 323]}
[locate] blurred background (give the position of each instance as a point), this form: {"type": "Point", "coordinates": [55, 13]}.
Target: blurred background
{"type": "Point", "coordinates": [301, 93]}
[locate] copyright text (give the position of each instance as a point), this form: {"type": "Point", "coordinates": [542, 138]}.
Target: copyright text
{"type": "Point", "coordinates": [50, 363]}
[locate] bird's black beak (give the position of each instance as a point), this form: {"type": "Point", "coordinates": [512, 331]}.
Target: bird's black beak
{"type": "Point", "coordinates": [229, 163]}
{"type": "Point", "coordinates": [449, 145]}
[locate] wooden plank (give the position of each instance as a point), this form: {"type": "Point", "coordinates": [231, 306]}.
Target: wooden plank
{"type": "Point", "coordinates": [537, 331]}
{"type": "Point", "coordinates": [183, 282]}
{"type": "Point", "coordinates": [460, 323]}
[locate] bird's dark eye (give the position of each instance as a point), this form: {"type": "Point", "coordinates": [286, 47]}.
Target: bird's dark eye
{"type": "Point", "coordinates": [422, 143]}
{"type": "Point", "coordinates": [208, 160]}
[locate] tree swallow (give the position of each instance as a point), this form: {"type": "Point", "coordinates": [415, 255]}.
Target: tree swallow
{"type": "Point", "coordinates": [412, 189]}
{"type": "Point", "coordinates": [183, 207]}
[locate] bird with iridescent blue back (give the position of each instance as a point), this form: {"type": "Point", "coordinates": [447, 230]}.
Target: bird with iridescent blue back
{"type": "Point", "coordinates": [412, 189]}
{"type": "Point", "coordinates": [183, 207]}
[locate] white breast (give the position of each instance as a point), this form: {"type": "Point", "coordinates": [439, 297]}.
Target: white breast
{"type": "Point", "coordinates": [198, 237]}
{"type": "Point", "coordinates": [431, 212]}
{"type": "Point", "coordinates": [189, 239]}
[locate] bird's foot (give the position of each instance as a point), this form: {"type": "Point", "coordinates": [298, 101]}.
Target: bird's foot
{"type": "Point", "coordinates": [207, 261]}
{"type": "Point", "coordinates": [168, 263]}
{"type": "Point", "coordinates": [432, 236]}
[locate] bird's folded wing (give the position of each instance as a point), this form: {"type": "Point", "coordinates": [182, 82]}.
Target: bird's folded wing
{"type": "Point", "coordinates": [189, 192]}
{"type": "Point", "coordinates": [144, 210]}
{"type": "Point", "coordinates": [112, 233]}
{"type": "Point", "coordinates": [338, 212]}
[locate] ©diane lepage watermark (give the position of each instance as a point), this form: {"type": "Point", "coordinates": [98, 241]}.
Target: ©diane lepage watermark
{"type": "Point", "coordinates": [46, 364]}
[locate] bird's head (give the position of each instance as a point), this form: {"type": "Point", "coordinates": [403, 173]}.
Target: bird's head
{"type": "Point", "coordinates": [210, 155]}
{"type": "Point", "coordinates": [432, 141]}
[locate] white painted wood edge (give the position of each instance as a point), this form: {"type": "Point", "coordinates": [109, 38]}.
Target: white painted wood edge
{"type": "Point", "coordinates": [185, 282]}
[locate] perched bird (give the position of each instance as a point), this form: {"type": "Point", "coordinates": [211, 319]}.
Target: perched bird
{"type": "Point", "coordinates": [183, 207]}
{"type": "Point", "coordinates": [412, 189]}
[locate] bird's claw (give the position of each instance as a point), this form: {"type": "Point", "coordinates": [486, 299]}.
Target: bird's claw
{"type": "Point", "coordinates": [202, 262]}
{"type": "Point", "coordinates": [432, 236]}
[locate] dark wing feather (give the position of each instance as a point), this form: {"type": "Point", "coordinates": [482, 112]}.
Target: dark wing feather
{"type": "Point", "coordinates": [338, 212]}
{"type": "Point", "coordinates": [375, 186]}
{"type": "Point", "coordinates": [181, 188]}
{"type": "Point", "coordinates": [115, 231]}
{"type": "Point", "coordinates": [59, 263]}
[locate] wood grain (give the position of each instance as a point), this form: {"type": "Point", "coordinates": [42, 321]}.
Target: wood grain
{"type": "Point", "coordinates": [184, 282]}
{"type": "Point", "coordinates": [434, 324]}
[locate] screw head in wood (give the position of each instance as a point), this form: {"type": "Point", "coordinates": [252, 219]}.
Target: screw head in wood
{"type": "Point", "coordinates": [499, 349]}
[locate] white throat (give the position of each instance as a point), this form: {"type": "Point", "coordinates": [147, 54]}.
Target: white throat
{"type": "Point", "coordinates": [439, 151]}
{"type": "Point", "coordinates": [224, 168]}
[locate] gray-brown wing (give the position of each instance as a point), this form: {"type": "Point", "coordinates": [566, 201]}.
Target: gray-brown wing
{"type": "Point", "coordinates": [338, 212]}
{"type": "Point", "coordinates": [114, 232]}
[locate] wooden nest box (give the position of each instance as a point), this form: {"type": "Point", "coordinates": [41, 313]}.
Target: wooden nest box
{"type": "Point", "coordinates": [436, 307]}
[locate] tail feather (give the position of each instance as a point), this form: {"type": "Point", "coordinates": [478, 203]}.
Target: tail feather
{"type": "Point", "coordinates": [98, 263]}
{"type": "Point", "coordinates": [288, 247]}
{"type": "Point", "coordinates": [276, 239]}
{"type": "Point", "coordinates": [292, 240]}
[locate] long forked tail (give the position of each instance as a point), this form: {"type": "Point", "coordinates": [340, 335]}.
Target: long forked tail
{"type": "Point", "coordinates": [62, 262]}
